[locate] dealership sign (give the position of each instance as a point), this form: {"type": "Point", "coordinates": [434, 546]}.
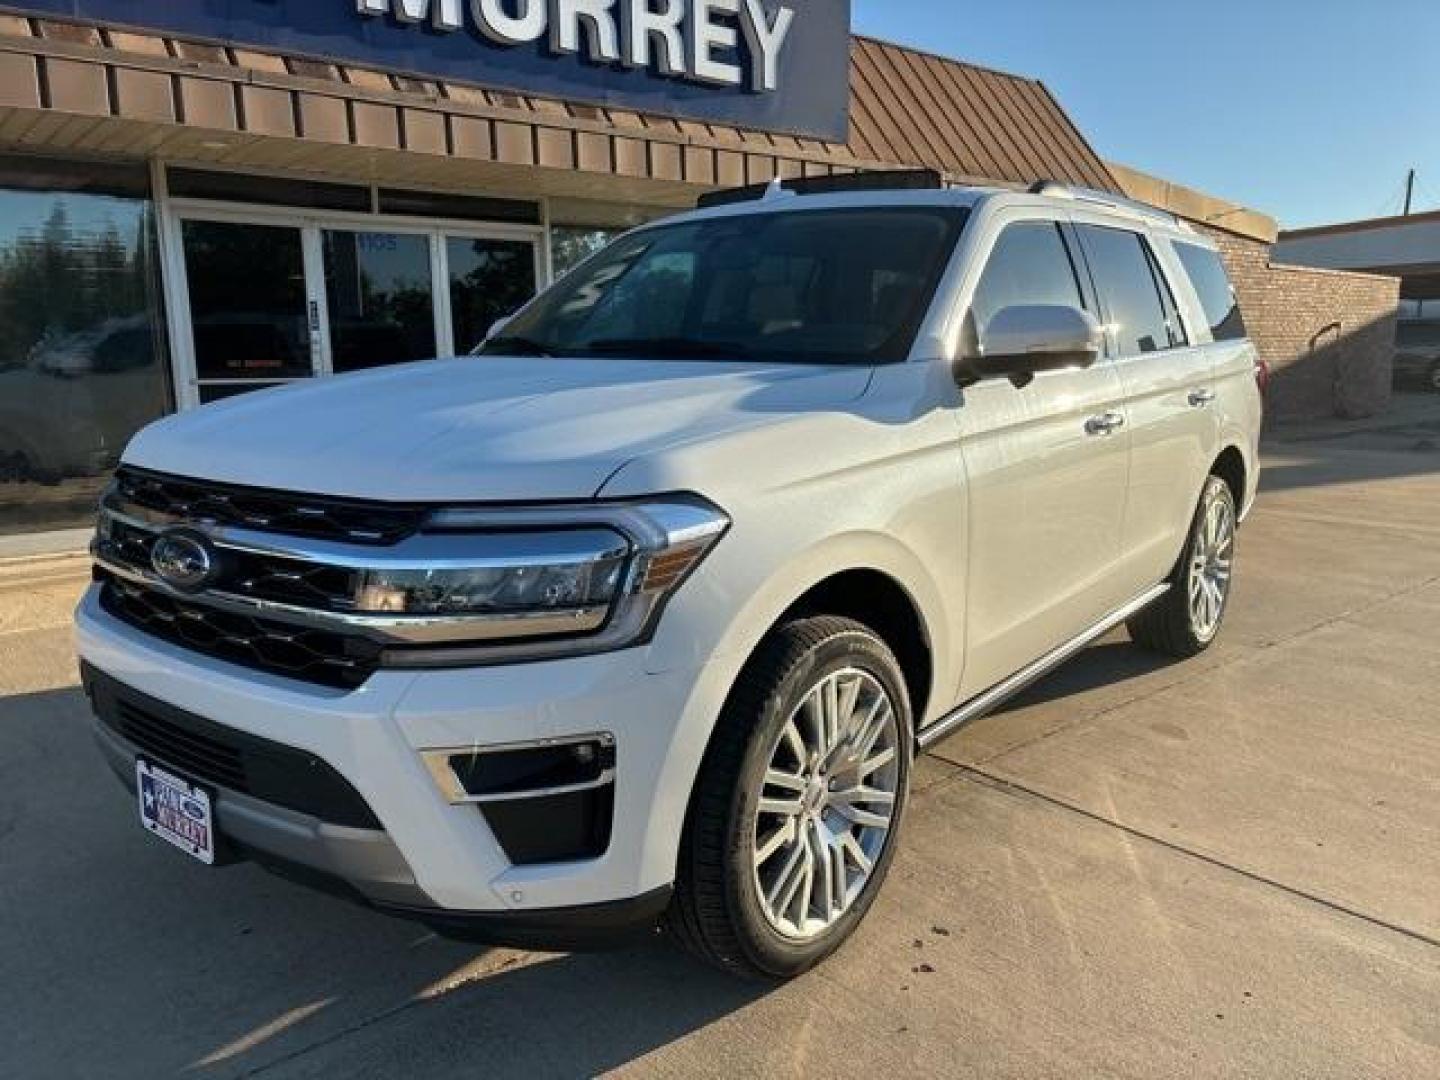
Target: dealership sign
{"type": "Point", "coordinates": [778, 65]}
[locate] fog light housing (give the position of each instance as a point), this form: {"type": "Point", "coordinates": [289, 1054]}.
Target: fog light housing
{"type": "Point", "coordinates": [548, 801]}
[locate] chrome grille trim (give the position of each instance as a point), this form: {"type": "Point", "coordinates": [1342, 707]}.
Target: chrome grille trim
{"type": "Point", "coordinates": [383, 629]}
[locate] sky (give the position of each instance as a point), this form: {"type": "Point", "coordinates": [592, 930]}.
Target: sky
{"type": "Point", "coordinates": [1311, 111]}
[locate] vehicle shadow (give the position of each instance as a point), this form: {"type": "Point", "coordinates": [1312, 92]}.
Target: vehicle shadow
{"type": "Point", "coordinates": [125, 958]}
{"type": "Point", "coordinates": [1109, 663]}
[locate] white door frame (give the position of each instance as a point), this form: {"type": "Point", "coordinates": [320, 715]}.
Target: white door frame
{"type": "Point", "coordinates": [172, 213]}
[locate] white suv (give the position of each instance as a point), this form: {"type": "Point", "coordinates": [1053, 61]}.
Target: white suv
{"type": "Point", "coordinates": [640, 615]}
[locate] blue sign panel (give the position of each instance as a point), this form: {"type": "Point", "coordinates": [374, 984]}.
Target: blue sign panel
{"type": "Point", "coordinates": [775, 65]}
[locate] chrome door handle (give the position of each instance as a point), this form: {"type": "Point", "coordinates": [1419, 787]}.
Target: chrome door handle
{"type": "Point", "coordinates": [1107, 424]}
{"type": "Point", "coordinates": [1199, 399]}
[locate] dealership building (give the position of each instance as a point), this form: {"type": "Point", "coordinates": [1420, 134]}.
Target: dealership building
{"type": "Point", "coordinates": [202, 199]}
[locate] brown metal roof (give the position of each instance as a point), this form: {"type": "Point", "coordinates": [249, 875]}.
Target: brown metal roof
{"type": "Point", "coordinates": [910, 107]}
{"type": "Point", "coordinates": [89, 89]}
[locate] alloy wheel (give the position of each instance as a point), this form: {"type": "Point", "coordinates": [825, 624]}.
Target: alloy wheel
{"type": "Point", "coordinates": [1211, 566]}
{"type": "Point", "coordinates": [828, 799]}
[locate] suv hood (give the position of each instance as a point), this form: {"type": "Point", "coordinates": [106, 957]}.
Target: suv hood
{"type": "Point", "coordinates": [481, 429]}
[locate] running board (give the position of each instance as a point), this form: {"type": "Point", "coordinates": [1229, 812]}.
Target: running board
{"type": "Point", "coordinates": [997, 695]}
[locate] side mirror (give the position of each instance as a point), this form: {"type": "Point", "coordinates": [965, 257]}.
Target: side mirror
{"type": "Point", "coordinates": [1020, 342]}
{"type": "Point", "coordinates": [498, 326]}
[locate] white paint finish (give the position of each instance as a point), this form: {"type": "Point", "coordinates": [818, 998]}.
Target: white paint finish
{"type": "Point", "coordinates": [994, 509]}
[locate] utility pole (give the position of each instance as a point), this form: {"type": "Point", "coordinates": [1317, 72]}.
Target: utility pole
{"type": "Point", "coordinates": [1409, 191]}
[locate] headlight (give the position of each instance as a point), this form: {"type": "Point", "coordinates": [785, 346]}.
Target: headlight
{"type": "Point", "coordinates": [550, 582]}
{"type": "Point", "coordinates": [468, 587]}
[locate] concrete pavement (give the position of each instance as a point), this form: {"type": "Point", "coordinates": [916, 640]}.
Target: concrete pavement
{"type": "Point", "coordinates": [1224, 868]}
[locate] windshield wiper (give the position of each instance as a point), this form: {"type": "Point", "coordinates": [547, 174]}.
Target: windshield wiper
{"type": "Point", "coordinates": [510, 346]}
{"type": "Point", "coordinates": [667, 347]}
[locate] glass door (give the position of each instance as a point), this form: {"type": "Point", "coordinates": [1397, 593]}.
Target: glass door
{"type": "Point", "coordinates": [271, 297]}
{"type": "Point", "coordinates": [252, 316]}
{"type": "Point", "coordinates": [490, 279]}
{"type": "Point", "coordinates": [380, 299]}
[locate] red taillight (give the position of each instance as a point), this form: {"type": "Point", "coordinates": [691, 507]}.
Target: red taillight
{"type": "Point", "coordinates": [1262, 377]}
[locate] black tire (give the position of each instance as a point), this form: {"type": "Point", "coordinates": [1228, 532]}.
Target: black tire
{"type": "Point", "coordinates": [716, 913]}
{"type": "Point", "coordinates": [1168, 625]}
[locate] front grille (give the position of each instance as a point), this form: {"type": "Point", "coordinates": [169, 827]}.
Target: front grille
{"type": "Point", "coordinates": [315, 656]}
{"type": "Point", "coordinates": [243, 573]}
{"type": "Point", "coordinates": [204, 751]}
{"type": "Point", "coordinates": [349, 520]}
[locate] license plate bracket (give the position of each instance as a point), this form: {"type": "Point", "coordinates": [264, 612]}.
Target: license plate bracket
{"type": "Point", "coordinates": [178, 811]}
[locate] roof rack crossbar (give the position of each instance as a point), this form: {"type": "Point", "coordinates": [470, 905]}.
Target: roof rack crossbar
{"type": "Point", "coordinates": [889, 180]}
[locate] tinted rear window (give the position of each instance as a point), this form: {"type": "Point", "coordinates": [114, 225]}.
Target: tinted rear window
{"type": "Point", "coordinates": [1141, 315]}
{"type": "Point", "coordinates": [1217, 296]}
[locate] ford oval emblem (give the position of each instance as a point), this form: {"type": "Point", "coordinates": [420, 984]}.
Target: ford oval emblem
{"type": "Point", "coordinates": [183, 560]}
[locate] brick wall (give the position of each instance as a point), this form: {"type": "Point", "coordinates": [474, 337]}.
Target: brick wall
{"type": "Point", "coordinates": [1328, 337]}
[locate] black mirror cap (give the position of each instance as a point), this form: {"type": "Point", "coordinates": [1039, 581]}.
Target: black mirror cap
{"type": "Point", "coordinates": [1019, 368]}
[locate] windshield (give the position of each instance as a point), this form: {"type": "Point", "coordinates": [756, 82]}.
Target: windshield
{"type": "Point", "coordinates": [845, 286]}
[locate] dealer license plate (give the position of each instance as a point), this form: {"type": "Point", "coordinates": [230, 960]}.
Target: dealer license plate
{"type": "Point", "coordinates": [176, 811]}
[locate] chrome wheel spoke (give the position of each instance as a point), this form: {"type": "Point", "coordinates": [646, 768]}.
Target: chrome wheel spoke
{"type": "Point", "coordinates": [779, 838]}
{"type": "Point", "coordinates": [826, 803]}
{"type": "Point", "coordinates": [1211, 568]}
{"type": "Point", "coordinates": [781, 779]}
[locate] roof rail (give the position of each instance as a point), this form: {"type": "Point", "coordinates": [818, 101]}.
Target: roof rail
{"type": "Point", "coordinates": [1055, 189]}
{"type": "Point", "coordinates": [893, 180]}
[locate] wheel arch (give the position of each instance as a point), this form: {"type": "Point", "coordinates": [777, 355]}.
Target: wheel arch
{"type": "Point", "coordinates": [879, 601]}
{"type": "Point", "coordinates": [1231, 467]}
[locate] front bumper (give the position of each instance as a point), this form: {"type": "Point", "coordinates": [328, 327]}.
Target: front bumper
{"type": "Point", "coordinates": [431, 859]}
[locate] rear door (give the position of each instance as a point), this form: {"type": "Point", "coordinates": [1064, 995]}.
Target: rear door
{"type": "Point", "coordinates": [1166, 380]}
{"type": "Point", "coordinates": [1046, 482]}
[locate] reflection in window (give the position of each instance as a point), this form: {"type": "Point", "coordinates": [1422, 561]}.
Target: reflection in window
{"type": "Point", "coordinates": [81, 354]}
{"type": "Point", "coordinates": [1125, 273]}
{"type": "Point", "coordinates": [247, 300]}
{"type": "Point", "coordinates": [382, 307]}
{"type": "Point", "coordinates": [1212, 285]}
{"type": "Point", "coordinates": [489, 280]}
{"type": "Point", "coordinates": [570, 246]}
{"type": "Point", "coordinates": [1029, 265]}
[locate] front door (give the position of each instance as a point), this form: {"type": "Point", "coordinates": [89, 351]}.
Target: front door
{"type": "Point", "coordinates": [270, 298]}
{"type": "Point", "coordinates": [1046, 481]}
{"type": "Point", "coordinates": [1172, 431]}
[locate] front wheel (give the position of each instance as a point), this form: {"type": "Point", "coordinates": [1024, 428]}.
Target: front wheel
{"type": "Point", "coordinates": [1186, 620]}
{"type": "Point", "coordinates": [792, 825]}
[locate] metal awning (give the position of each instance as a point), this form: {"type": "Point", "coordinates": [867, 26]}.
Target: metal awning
{"type": "Point", "coordinates": [78, 89]}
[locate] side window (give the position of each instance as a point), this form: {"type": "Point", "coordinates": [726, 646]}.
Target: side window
{"type": "Point", "coordinates": [1141, 311]}
{"type": "Point", "coordinates": [1030, 264]}
{"type": "Point", "coordinates": [1217, 296]}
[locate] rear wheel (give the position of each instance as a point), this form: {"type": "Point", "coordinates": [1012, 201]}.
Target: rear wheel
{"type": "Point", "coordinates": [793, 822]}
{"type": "Point", "coordinates": [1187, 619]}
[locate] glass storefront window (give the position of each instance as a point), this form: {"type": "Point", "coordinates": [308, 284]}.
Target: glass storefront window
{"type": "Point", "coordinates": [489, 280]}
{"type": "Point", "coordinates": [247, 301]}
{"type": "Point", "coordinates": [82, 361]}
{"type": "Point", "coordinates": [382, 305]}
{"type": "Point", "coordinates": [570, 246]}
